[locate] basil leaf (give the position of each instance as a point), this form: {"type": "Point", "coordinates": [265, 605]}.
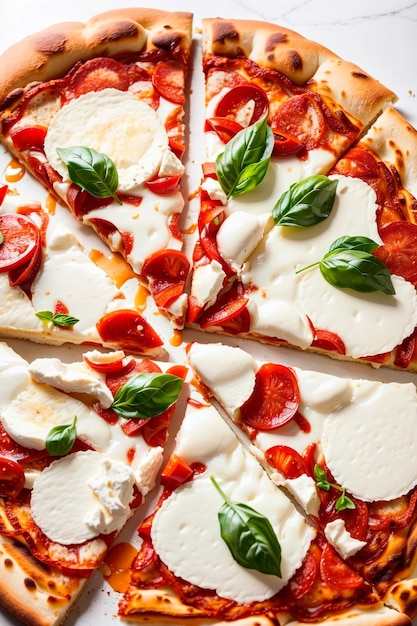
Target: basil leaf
{"type": "Point", "coordinates": [147, 395]}
{"type": "Point", "coordinates": [249, 536]}
{"type": "Point", "coordinates": [244, 162]}
{"type": "Point", "coordinates": [92, 170]}
{"type": "Point", "coordinates": [60, 439]}
{"type": "Point", "coordinates": [354, 243]}
{"type": "Point", "coordinates": [356, 270]}
{"type": "Point", "coordinates": [60, 319]}
{"type": "Point", "coordinates": [344, 502]}
{"type": "Point", "coordinates": [306, 203]}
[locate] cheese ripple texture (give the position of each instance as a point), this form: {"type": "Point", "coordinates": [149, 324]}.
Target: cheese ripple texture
{"type": "Point", "coordinates": [116, 123]}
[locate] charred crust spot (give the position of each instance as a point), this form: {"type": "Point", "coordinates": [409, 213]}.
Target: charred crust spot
{"type": "Point", "coordinates": [273, 40]}
{"type": "Point", "coordinates": [124, 30]}
{"type": "Point", "coordinates": [30, 584]}
{"type": "Point", "coordinates": [360, 75]}
{"type": "Point", "coordinates": [295, 60]}
{"type": "Point", "coordinates": [166, 41]}
{"type": "Point", "coordinates": [224, 31]}
{"type": "Point", "coordinates": [51, 43]}
{"type": "Point", "coordinates": [8, 563]}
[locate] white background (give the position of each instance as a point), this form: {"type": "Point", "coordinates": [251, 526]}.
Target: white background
{"type": "Point", "coordinates": [380, 37]}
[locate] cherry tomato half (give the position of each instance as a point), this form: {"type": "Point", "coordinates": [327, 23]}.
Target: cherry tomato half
{"type": "Point", "coordinates": [12, 478]}
{"type": "Point", "coordinates": [20, 240]}
{"type": "Point", "coordinates": [286, 460]}
{"type": "Point", "coordinates": [238, 97]}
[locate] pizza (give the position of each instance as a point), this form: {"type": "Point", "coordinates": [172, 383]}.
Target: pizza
{"type": "Point", "coordinates": [52, 292]}
{"type": "Point", "coordinates": [215, 500]}
{"type": "Point", "coordinates": [330, 443]}
{"type": "Point", "coordinates": [81, 446]}
{"type": "Point", "coordinates": [95, 112]}
{"type": "Point", "coordinates": [308, 197]}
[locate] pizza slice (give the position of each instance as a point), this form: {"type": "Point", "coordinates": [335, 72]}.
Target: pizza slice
{"type": "Point", "coordinates": [283, 226]}
{"type": "Point", "coordinates": [95, 112]}
{"type": "Point", "coordinates": [344, 449]}
{"type": "Point", "coordinates": [80, 448]}
{"type": "Point", "coordinates": [52, 292]}
{"type": "Point", "coordinates": [224, 545]}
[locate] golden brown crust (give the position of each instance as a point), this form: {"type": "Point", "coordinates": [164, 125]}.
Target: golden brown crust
{"type": "Point", "coordinates": [51, 52]}
{"type": "Point", "coordinates": [34, 593]}
{"type": "Point", "coordinates": [301, 60]}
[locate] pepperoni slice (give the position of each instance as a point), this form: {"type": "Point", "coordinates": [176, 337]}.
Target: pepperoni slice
{"type": "Point", "coordinates": [399, 252]}
{"type": "Point", "coordinates": [98, 74]}
{"type": "Point", "coordinates": [12, 478]}
{"type": "Point", "coordinates": [28, 137]}
{"type": "Point", "coordinates": [234, 100]}
{"type": "Point", "coordinates": [286, 460]}
{"type": "Point", "coordinates": [301, 118]}
{"type": "Point", "coordinates": [168, 80]}
{"type": "Point", "coordinates": [129, 329]}
{"type": "Point", "coordinates": [335, 572]}
{"type": "Point", "coordinates": [20, 240]}
{"type": "Point", "coordinates": [274, 400]}
{"type": "Point", "coordinates": [166, 272]}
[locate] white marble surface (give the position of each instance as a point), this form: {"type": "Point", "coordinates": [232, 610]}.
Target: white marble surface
{"type": "Point", "coordinates": [381, 37]}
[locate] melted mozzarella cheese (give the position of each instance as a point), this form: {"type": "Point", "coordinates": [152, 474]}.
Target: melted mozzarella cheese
{"type": "Point", "coordinates": [198, 554]}
{"type": "Point", "coordinates": [341, 539]}
{"type": "Point", "coordinates": [115, 123]}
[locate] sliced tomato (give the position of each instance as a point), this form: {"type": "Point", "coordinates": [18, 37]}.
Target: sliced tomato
{"type": "Point", "coordinates": [28, 137]}
{"type": "Point", "coordinates": [285, 145]}
{"type": "Point", "coordinates": [169, 81]}
{"type": "Point", "coordinates": [239, 97]}
{"type": "Point", "coordinates": [336, 572]}
{"type": "Point", "coordinates": [224, 127]}
{"type": "Point", "coordinates": [176, 472]}
{"type": "Point", "coordinates": [327, 340]}
{"type": "Point", "coordinates": [166, 272]}
{"type": "Point", "coordinates": [300, 117]}
{"type": "Point", "coordinates": [20, 240]}
{"type": "Point", "coordinates": [114, 380]}
{"type": "Point", "coordinates": [225, 313]}
{"type": "Point", "coordinates": [405, 352]}
{"type": "Point", "coordinates": [275, 398]}
{"type": "Point", "coordinates": [12, 478]}
{"type": "Point", "coordinates": [24, 275]}
{"type": "Point", "coordinates": [3, 193]}
{"type": "Point", "coordinates": [129, 330]}
{"type": "Point", "coordinates": [97, 74]}
{"type": "Point", "coordinates": [209, 169]}
{"type": "Point", "coordinates": [399, 252]}
{"type": "Point", "coordinates": [286, 460]}
{"type": "Point", "coordinates": [12, 450]}
{"type": "Point", "coordinates": [164, 185]}
{"type": "Point", "coordinates": [118, 365]}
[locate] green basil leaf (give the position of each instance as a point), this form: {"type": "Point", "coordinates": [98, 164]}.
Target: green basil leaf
{"type": "Point", "coordinates": [60, 439]}
{"type": "Point", "coordinates": [356, 270]}
{"type": "Point", "coordinates": [243, 164]}
{"type": "Point", "coordinates": [91, 170]}
{"type": "Point", "coordinates": [306, 203]}
{"type": "Point", "coordinates": [249, 536]}
{"type": "Point", "coordinates": [319, 473]}
{"type": "Point", "coordinates": [354, 243]}
{"type": "Point", "coordinates": [147, 395]}
{"type": "Point", "coordinates": [344, 502]}
{"type": "Point", "coordinates": [60, 319]}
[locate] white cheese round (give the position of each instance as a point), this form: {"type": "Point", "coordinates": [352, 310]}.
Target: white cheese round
{"type": "Point", "coordinates": [370, 444]}
{"type": "Point", "coordinates": [116, 123]}
{"type": "Point", "coordinates": [80, 496]}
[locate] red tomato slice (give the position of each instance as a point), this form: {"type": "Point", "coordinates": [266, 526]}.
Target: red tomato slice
{"type": "Point", "coordinates": [302, 118]}
{"type": "Point", "coordinates": [335, 572]}
{"type": "Point", "coordinates": [12, 478]}
{"type": "Point", "coordinates": [164, 185]}
{"type": "Point", "coordinates": [399, 252]}
{"type": "Point", "coordinates": [110, 367]}
{"type": "Point", "coordinates": [285, 145]}
{"type": "Point", "coordinates": [238, 97]}
{"type": "Point", "coordinates": [24, 275]}
{"type": "Point", "coordinates": [286, 460]}
{"type": "Point", "coordinates": [176, 472]}
{"type": "Point", "coordinates": [224, 127]}
{"type": "Point", "coordinates": [219, 316]}
{"type": "Point", "coordinates": [28, 137]}
{"type": "Point", "coordinates": [166, 272]}
{"type": "Point", "coordinates": [12, 450]}
{"type": "Point", "coordinates": [3, 193]}
{"type": "Point", "coordinates": [274, 400]}
{"type": "Point", "coordinates": [168, 80]}
{"type": "Point", "coordinates": [20, 240]}
{"type": "Point", "coordinates": [98, 74]}
{"type": "Point", "coordinates": [327, 340]}
{"type": "Point", "coordinates": [129, 330]}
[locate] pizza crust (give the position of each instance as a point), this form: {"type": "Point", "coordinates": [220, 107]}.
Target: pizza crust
{"type": "Point", "coordinates": [300, 59]}
{"type": "Point", "coordinates": [50, 53]}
